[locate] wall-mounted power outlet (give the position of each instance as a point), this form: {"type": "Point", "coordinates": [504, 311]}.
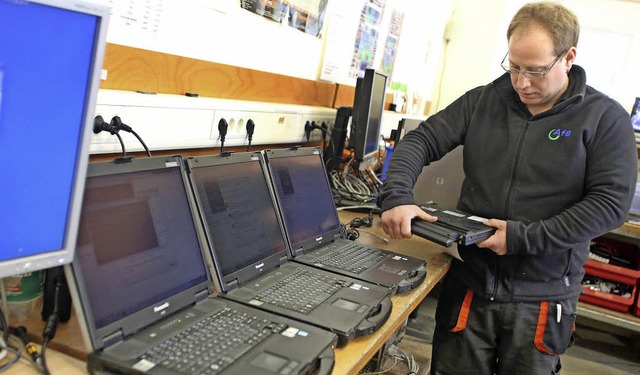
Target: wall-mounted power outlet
{"type": "Point", "coordinates": [270, 127]}
{"type": "Point", "coordinates": [174, 121]}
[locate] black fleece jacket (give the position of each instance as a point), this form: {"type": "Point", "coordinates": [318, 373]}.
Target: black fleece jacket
{"type": "Point", "coordinates": [559, 178]}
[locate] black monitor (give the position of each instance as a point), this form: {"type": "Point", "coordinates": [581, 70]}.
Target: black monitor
{"type": "Point", "coordinates": [51, 58]}
{"type": "Point", "coordinates": [368, 105]}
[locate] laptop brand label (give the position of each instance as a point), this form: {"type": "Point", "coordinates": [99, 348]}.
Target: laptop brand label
{"type": "Point", "coordinates": [161, 307]}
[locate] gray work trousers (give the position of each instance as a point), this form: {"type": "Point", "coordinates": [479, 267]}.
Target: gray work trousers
{"type": "Point", "coordinates": [474, 335]}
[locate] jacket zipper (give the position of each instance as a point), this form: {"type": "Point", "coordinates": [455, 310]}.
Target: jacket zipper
{"type": "Point", "coordinates": [506, 205]}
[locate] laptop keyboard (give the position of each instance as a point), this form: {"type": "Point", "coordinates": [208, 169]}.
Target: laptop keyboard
{"type": "Point", "coordinates": [302, 291]}
{"type": "Point", "coordinates": [212, 344]}
{"type": "Point", "coordinates": [353, 258]}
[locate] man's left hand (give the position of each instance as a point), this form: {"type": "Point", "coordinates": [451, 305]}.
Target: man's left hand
{"type": "Point", "coordinates": [498, 241]}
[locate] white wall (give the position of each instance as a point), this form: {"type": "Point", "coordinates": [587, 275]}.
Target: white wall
{"type": "Point", "coordinates": [609, 46]}
{"type": "Point", "coordinates": [220, 31]}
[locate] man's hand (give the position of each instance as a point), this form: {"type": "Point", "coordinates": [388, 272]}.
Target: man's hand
{"type": "Point", "coordinates": [498, 241]}
{"type": "Point", "coordinates": [396, 222]}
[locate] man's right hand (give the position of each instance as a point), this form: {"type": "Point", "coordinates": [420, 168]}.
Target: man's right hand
{"type": "Point", "coordinates": [396, 222]}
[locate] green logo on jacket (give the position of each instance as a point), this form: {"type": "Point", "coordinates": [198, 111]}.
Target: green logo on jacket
{"type": "Point", "coordinates": [557, 133]}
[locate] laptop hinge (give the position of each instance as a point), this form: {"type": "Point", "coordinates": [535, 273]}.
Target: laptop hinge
{"type": "Point", "coordinates": [233, 284]}
{"type": "Point", "coordinates": [282, 260]}
{"type": "Point", "coordinates": [202, 295]}
{"type": "Point", "coordinates": [299, 251]}
{"type": "Point", "coordinates": [112, 338]}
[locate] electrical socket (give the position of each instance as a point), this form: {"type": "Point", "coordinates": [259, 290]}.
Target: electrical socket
{"type": "Point", "coordinates": [173, 121]}
{"type": "Point", "coordinates": [273, 127]}
{"type": "Point", "coordinates": [318, 119]}
{"type": "Point", "coordinates": [183, 124]}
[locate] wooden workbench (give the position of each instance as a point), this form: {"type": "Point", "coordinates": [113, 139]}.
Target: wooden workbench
{"type": "Point", "coordinates": [66, 354]}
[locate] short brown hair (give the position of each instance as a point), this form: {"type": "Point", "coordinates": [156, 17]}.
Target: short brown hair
{"type": "Point", "coordinates": [559, 21]}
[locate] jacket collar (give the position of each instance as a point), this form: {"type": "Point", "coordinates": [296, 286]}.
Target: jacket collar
{"type": "Point", "coordinates": [573, 95]}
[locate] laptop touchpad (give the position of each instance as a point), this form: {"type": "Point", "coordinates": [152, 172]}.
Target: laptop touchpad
{"type": "Point", "coordinates": [269, 362]}
{"type": "Point", "coordinates": [386, 268]}
{"type": "Point", "coordinates": [344, 304]}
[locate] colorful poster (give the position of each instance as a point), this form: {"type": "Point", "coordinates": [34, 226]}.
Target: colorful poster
{"type": "Point", "coordinates": [304, 15]}
{"type": "Point", "coordinates": [307, 16]}
{"type": "Point", "coordinates": [391, 44]}
{"type": "Point", "coordinates": [367, 37]}
{"type": "Point", "coordinates": [272, 9]}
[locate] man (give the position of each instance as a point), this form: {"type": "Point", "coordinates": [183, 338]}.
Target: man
{"type": "Point", "coordinates": [552, 162]}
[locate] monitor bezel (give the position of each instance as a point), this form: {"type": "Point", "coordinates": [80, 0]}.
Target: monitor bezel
{"type": "Point", "coordinates": [361, 124]}
{"type": "Point", "coordinates": [65, 254]}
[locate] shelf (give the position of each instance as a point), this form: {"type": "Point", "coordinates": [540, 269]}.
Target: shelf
{"type": "Point", "coordinates": [629, 233]}
{"type": "Point", "coordinates": [611, 317]}
{"type": "Point", "coordinates": [627, 230]}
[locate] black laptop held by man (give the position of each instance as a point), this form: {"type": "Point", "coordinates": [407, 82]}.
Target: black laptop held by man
{"type": "Point", "coordinates": [143, 293]}
{"type": "Point", "coordinates": [249, 253]}
{"type": "Point", "coordinates": [452, 226]}
{"type": "Point", "coordinates": [313, 229]}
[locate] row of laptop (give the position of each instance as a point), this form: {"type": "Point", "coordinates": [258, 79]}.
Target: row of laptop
{"type": "Point", "coordinates": [159, 237]}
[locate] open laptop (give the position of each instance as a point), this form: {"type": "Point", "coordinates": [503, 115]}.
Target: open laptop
{"type": "Point", "coordinates": [634, 211]}
{"type": "Point", "coordinates": [142, 291]}
{"type": "Point", "coordinates": [249, 253]}
{"type": "Point", "coordinates": [314, 233]}
{"type": "Point", "coordinates": [441, 181]}
{"type": "Point", "coordinates": [452, 226]}
{"type": "Point", "coordinates": [635, 118]}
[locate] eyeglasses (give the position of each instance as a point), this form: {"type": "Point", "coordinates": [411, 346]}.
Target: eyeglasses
{"type": "Point", "coordinates": [533, 75]}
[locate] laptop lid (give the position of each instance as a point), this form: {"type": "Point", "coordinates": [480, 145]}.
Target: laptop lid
{"type": "Point", "coordinates": [138, 257]}
{"type": "Point", "coordinates": [304, 196]}
{"type": "Point", "coordinates": [440, 181]}
{"type": "Point", "coordinates": [635, 115]}
{"type": "Point", "coordinates": [239, 216]}
{"type": "Point", "coordinates": [634, 210]}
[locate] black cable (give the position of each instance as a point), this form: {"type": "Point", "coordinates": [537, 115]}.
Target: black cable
{"type": "Point", "coordinates": [5, 345]}
{"type": "Point", "coordinates": [223, 126]}
{"type": "Point", "coordinates": [100, 125]}
{"type": "Point", "coordinates": [309, 127]}
{"type": "Point", "coordinates": [29, 346]}
{"type": "Point", "coordinates": [361, 222]}
{"type": "Point", "coordinates": [4, 327]}
{"type": "Point", "coordinates": [117, 122]}
{"type": "Point", "coordinates": [325, 132]}
{"type": "Point", "coordinates": [50, 327]}
{"type": "Point", "coordinates": [251, 126]}
{"type": "Point", "coordinates": [124, 152]}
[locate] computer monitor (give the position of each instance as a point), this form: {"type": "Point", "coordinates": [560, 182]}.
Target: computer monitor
{"type": "Point", "coordinates": [366, 118]}
{"type": "Point", "coordinates": [50, 67]}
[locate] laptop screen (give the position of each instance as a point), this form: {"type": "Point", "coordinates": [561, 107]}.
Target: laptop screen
{"type": "Point", "coordinates": [635, 204]}
{"type": "Point", "coordinates": [239, 214]}
{"type": "Point", "coordinates": [137, 243]}
{"type": "Point", "coordinates": [305, 196]}
{"type": "Point", "coordinates": [635, 115]}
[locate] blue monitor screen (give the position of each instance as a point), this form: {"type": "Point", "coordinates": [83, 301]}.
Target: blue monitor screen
{"type": "Point", "coordinates": [47, 79]}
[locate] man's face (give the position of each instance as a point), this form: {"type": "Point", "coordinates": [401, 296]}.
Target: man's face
{"type": "Point", "coordinates": [532, 50]}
